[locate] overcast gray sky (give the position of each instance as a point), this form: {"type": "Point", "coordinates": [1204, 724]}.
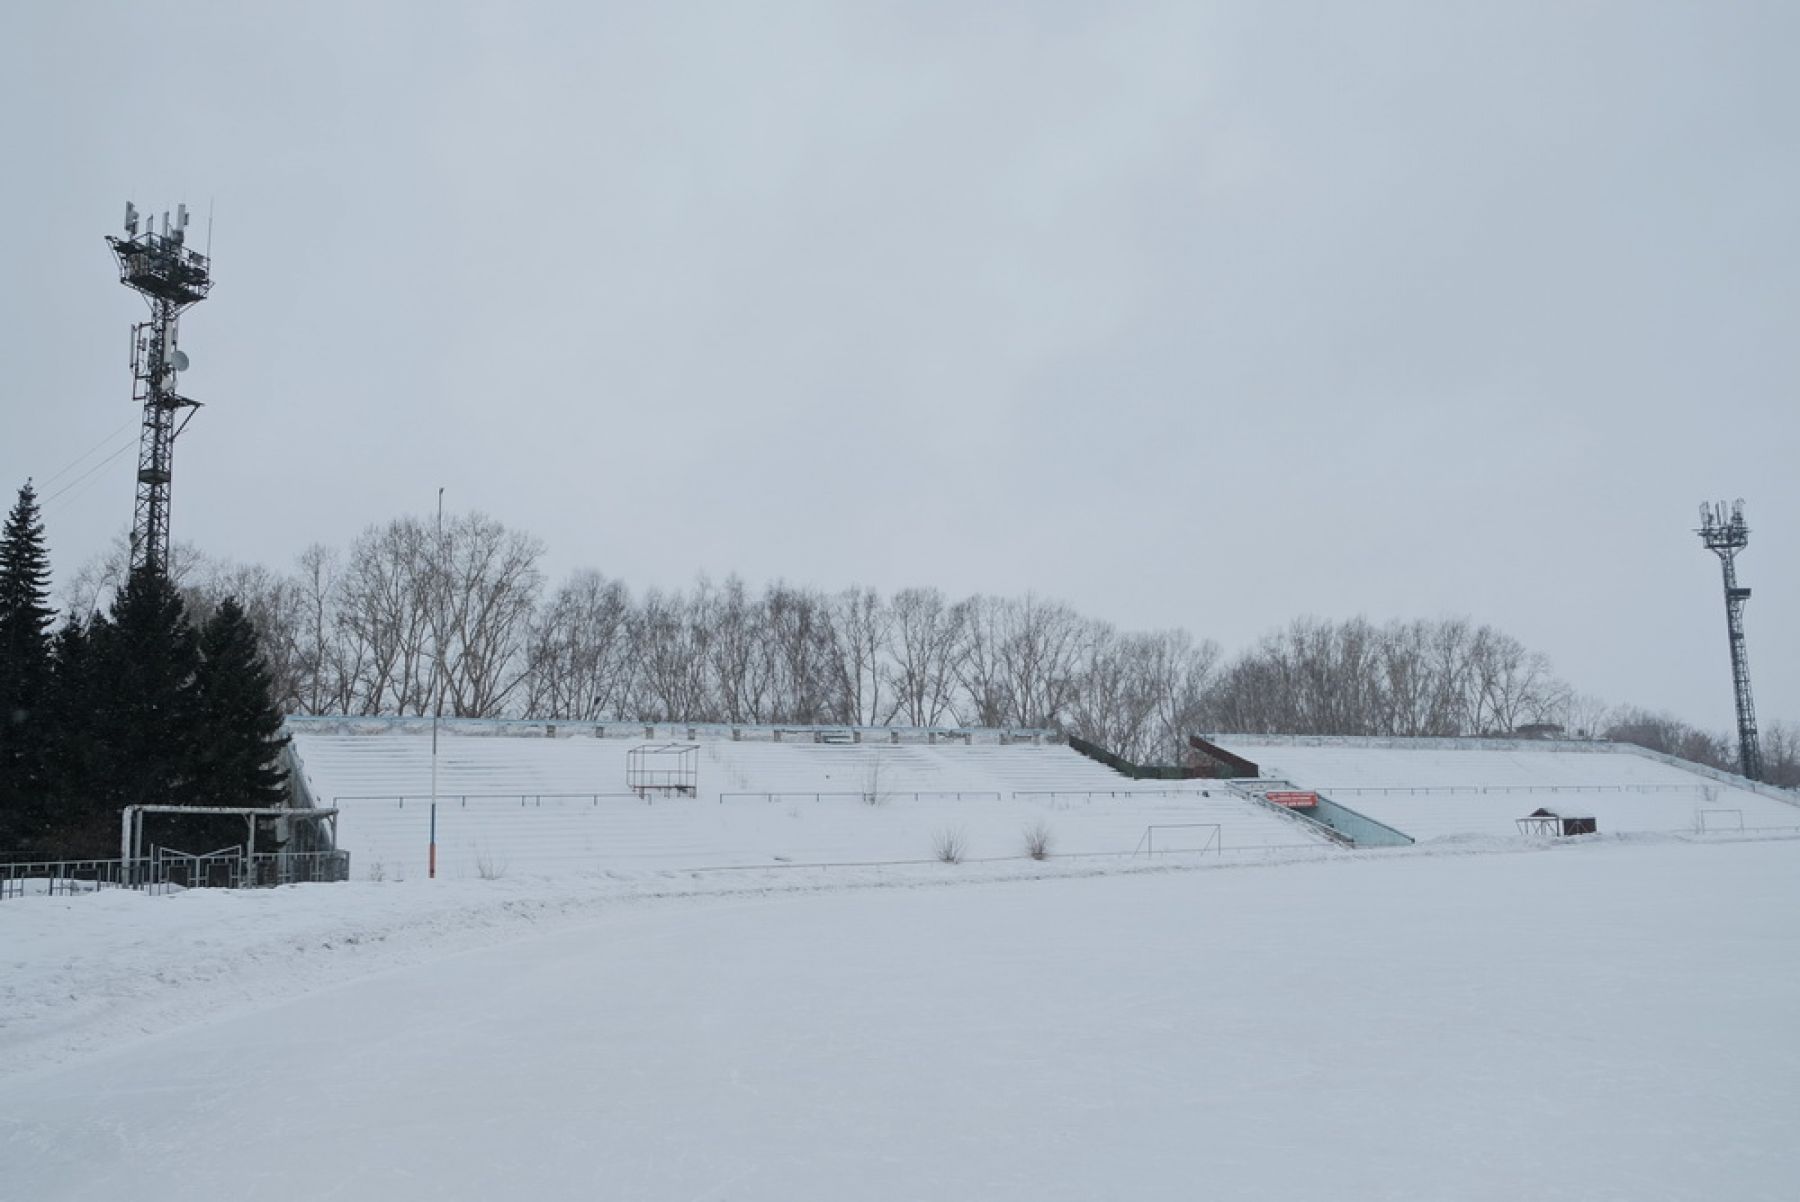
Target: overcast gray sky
{"type": "Point", "coordinates": [1201, 315]}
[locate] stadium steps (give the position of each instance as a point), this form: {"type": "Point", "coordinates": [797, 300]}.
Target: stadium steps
{"type": "Point", "coordinates": [1329, 818]}
{"type": "Point", "coordinates": [516, 803]}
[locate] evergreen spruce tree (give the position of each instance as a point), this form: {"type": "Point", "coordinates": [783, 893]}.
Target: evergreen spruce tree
{"type": "Point", "coordinates": [141, 687]}
{"type": "Point", "coordinates": [76, 824]}
{"type": "Point", "coordinates": [25, 677]}
{"type": "Point", "coordinates": [238, 739]}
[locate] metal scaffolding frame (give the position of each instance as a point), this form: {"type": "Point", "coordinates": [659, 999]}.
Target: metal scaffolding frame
{"type": "Point", "coordinates": [171, 278]}
{"type": "Point", "coordinates": [663, 768]}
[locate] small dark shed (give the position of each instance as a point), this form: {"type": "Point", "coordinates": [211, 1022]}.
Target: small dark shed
{"type": "Point", "coordinates": [1548, 822]}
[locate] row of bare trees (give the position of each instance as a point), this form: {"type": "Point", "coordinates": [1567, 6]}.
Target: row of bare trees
{"type": "Point", "coordinates": [416, 615]}
{"type": "Point", "coordinates": [725, 653]}
{"type": "Point", "coordinates": [413, 616]}
{"type": "Point", "coordinates": [1442, 678]}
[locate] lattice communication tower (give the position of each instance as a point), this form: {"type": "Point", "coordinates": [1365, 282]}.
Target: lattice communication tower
{"type": "Point", "coordinates": [157, 265]}
{"type": "Point", "coordinates": [1725, 534]}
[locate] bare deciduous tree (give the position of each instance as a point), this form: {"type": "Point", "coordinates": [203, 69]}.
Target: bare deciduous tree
{"type": "Point", "coordinates": [922, 671]}
{"type": "Point", "coordinates": [1351, 678]}
{"type": "Point", "coordinates": [327, 667]}
{"type": "Point", "coordinates": [1113, 705]}
{"type": "Point", "coordinates": [481, 583]}
{"type": "Point", "coordinates": [1780, 744]}
{"type": "Point", "coordinates": [860, 624]}
{"type": "Point", "coordinates": [1511, 687]}
{"type": "Point", "coordinates": [799, 627]}
{"type": "Point", "coordinates": [416, 613]}
{"type": "Point", "coordinates": [275, 607]}
{"type": "Point", "coordinates": [1181, 672]}
{"type": "Point", "coordinates": [385, 616]}
{"type": "Point", "coordinates": [578, 658]}
{"type": "Point", "coordinates": [985, 699]}
{"type": "Point", "coordinates": [1660, 732]}
{"type": "Point", "coordinates": [95, 583]}
{"type": "Point", "coordinates": [741, 672]}
{"type": "Point", "coordinates": [670, 636]}
{"type": "Point", "coordinates": [1038, 655]}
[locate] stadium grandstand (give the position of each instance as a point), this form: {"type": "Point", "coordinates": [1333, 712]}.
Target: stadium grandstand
{"type": "Point", "coordinates": [536, 798]}
{"type": "Point", "coordinates": [1448, 788]}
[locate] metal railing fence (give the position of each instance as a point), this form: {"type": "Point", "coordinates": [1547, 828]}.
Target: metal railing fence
{"type": "Point", "coordinates": [165, 870]}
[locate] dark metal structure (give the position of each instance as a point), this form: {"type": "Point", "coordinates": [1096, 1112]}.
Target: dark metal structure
{"type": "Point", "coordinates": [1725, 534]}
{"type": "Point", "coordinates": [1219, 762]}
{"type": "Point", "coordinates": [1541, 823]}
{"type": "Point", "coordinates": [157, 265]}
{"type": "Point", "coordinates": [664, 768]}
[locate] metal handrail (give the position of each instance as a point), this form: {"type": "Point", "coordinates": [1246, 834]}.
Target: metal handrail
{"type": "Point", "coordinates": [162, 870]}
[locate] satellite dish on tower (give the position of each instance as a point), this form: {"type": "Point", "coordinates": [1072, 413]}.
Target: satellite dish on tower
{"type": "Point", "coordinates": [178, 360]}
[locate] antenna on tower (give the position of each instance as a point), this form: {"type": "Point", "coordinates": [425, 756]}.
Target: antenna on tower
{"type": "Point", "coordinates": [1725, 534]}
{"type": "Point", "coordinates": [170, 278]}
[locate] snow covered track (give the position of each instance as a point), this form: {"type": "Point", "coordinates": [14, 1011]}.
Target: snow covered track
{"type": "Point", "coordinates": [81, 971]}
{"type": "Point", "coordinates": [1608, 1019]}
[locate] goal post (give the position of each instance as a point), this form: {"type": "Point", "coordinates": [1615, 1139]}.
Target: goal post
{"type": "Point", "coordinates": [1169, 838]}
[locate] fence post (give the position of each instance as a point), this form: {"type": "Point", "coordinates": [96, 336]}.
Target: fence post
{"type": "Point", "coordinates": [125, 842]}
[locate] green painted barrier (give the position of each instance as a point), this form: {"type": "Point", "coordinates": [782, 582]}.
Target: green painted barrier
{"type": "Point", "coordinates": [1125, 767]}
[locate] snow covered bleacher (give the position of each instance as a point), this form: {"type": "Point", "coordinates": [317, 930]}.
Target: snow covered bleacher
{"type": "Point", "coordinates": [524, 798]}
{"type": "Point", "coordinates": [1440, 788]}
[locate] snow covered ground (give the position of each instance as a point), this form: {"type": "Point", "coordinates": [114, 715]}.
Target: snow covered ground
{"type": "Point", "coordinates": [1604, 1019]}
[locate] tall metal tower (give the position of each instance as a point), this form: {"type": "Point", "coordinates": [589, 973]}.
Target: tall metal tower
{"type": "Point", "coordinates": [170, 277]}
{"type": "Point", "coordinates": [1726, 536]}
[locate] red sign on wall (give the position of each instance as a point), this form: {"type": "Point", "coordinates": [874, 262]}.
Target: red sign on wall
{"type": "Point", "coordinates": [1297, 800]}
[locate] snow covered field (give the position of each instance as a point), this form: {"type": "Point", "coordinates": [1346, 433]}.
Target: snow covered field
{"type": "Point", "coordinates": [1610, 1019]}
